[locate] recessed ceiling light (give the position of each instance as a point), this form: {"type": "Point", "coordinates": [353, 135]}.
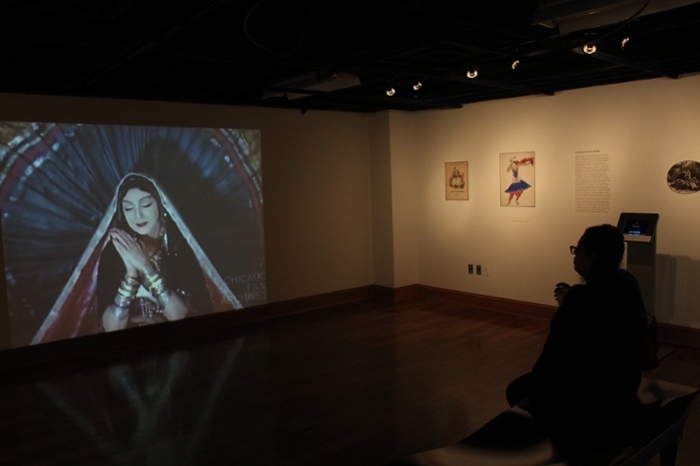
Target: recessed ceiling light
{"type": "Point", "coordinates": [391, 91]}
{"type": "Point", "coordinates": [471, 74]}
{"type": "Point", "coordinates": [624, 42]}
{"type": "Point", "coordinates": [515, 64]}
{"type": "Point", "coordinates": [417, 85]}
{"type": "Point", "coordinates": [589, 49]}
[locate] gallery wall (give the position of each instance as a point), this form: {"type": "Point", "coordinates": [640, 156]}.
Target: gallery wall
{"type": "Point", "coordinates": [316, 181]}
{"type": "Point", "coordinates": [645, 127]}
{"type": "Point", "coordinates": [355, 199]}
{"type": "Point", "coordinates": [382, 209]}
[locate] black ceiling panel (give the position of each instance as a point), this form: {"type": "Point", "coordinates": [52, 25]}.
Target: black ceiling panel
{"type": "Point", "coordinates": [251, 52]}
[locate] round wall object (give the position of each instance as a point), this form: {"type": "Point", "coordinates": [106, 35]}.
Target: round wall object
{"type": "Point", "coordinates": [684, 177]}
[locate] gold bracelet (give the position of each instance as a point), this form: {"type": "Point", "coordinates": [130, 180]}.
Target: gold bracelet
{"type": "Point", "coordinates": [126, 289]}
{"type": "Point", "coordinates": [121, 301]}
{"type": "Point", "coordinates": [126, 292]}
{"type": "Point", "coordinates": [154, 283]}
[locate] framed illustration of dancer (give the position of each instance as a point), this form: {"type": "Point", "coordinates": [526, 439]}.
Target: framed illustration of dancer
{"type": "Point", "coordinates": [111, 227]}
{"type": "Point", "coordinates": [517, 171]}
{"type": "Point", "coordinates": [457, 181]}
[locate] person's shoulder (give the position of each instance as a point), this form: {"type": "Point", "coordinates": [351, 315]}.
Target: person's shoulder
{"type": "Point", "coordinates": [624, 278]}
{"type": "Point", "coordinates": [622, 273]}
{"type": "Point", "coordinates": [614, 278]}
{"type": "Point", "coordinates": [626, 289]}
{"type": "Point", "coordinates": [577, 289]}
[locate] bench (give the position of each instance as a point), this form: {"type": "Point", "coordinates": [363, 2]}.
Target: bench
{"type": "Point", "coordinates": [514, 438]}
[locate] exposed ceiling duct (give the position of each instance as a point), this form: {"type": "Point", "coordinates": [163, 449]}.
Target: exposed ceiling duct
{"type": "Point", "coordinates": [343, 55]}
{"type": "Point", "coordinates": [576, 15]}
{"type": "Point", "coordinates": [319, 82]}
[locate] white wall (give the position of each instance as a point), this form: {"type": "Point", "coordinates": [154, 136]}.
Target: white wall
{"type": "Point", "coordinates": [382, 208]}
{"type": "Point", "coordinates": [646, 127]}
{"type": "Point", "coordinates": [406, 218]}
{"type": "Point", "coordinates": [354, 199]}
{"type": "Point", "coordinates": [316, 180]}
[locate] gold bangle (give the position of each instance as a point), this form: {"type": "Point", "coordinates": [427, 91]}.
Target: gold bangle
{"type": "Point", "coordinates": [154, 283]}
{"type": "Point", "coordinates": [131, 280]}
{"type": "Point", "coordinates": [122, 301]}
{"type": "Point", "coordinates": [126, 292]}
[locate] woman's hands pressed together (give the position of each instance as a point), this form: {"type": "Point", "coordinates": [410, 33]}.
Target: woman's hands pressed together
{"type": "Point", "coordinates": [132, 251]}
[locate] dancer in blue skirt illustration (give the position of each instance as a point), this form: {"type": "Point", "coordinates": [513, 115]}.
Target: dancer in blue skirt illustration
{"type": "Point", "coordinates": [517, 187]}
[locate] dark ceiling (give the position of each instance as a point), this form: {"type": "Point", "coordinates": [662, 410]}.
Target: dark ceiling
{"type": "Point", "coordinates": [251, 52]}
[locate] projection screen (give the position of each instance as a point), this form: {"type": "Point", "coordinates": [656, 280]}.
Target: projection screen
{"type": "Point", "coordinates": [112, 227]}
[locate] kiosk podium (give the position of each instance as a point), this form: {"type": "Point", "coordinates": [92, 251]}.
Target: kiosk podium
{"type": "Point", "coordinates": [639, 231]}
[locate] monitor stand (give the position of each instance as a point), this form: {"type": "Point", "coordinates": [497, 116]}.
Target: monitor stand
{"type": "Point", "coordinates": [641, 262]}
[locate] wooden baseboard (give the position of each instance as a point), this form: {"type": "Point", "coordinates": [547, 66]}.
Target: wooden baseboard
{"type": "Point", "coordinates": [678, 336]}
{"type": "Point", "coordinates": [293, 306]}
{"type": "Point", "coordinates": [118, 344]}
{"type": "Point", "coordinates": [395, 294]}
{"type": "Point", "coordinates": [466, 299]}
{"type": "Point", "coordinates": [488, 302]}
{"type": "Point", "coordinates": [666, 333]}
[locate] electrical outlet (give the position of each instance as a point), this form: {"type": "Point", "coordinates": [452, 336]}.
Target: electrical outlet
{"type": "Point", "coordinates": [478, 270]}
{"type": "Point", "coordinates": [471, 268]}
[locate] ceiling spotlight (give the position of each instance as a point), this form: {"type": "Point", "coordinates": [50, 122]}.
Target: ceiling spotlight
{"type": "Point", "coordinates": [417, 85]}
{"type": "Point", "coordinates": [391, 91]}
{"type": "Point", "coordinates": [515, 64]}
{"type": "Point", "coordinates": [471, 74]}
{"type": "Point", "coordinates": [589, 49]}
{"type": "Point", "coordinates": [624, 42]}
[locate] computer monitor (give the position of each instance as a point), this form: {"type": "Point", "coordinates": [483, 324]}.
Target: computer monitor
{"type": "Point", "coordinates": [638, 227]}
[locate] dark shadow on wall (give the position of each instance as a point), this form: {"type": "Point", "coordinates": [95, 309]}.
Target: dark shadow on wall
{"type": "Point", "coordinates": [677, 283]}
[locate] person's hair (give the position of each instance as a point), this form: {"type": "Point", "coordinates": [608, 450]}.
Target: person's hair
{"type": "Point", "coordinates": [144, 184]}
{"type": "Point", "coordinates": [608, 245]}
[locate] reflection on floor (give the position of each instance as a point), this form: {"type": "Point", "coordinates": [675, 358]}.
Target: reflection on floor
{"type": "Point", "coordinates": [358, 384]}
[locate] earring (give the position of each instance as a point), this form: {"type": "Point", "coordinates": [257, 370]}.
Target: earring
{"type": "Point", "coordinates": [163, 233]}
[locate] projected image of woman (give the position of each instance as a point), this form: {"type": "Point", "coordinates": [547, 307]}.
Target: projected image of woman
{"type": "Point", "coordinates": [109, 227]}
{"type": "Point", "coordinates": [147, 272]}
{"type": "Point", "coordinates": [142, 266]}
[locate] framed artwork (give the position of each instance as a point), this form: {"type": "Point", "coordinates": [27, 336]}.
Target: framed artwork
{"type": "Point", "coordinates": [684, 177]}
{"type": "Point", "coordinates": [457, 181]}
{"type": "Point", "coordinates": [517, 179]}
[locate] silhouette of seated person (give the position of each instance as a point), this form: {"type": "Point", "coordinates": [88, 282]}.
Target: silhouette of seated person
{"type": "Point", "coordinates": [583, 387]}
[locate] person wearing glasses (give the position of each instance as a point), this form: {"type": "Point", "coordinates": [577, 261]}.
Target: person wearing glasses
{"type": "Point", "coordinates": [583, 386]}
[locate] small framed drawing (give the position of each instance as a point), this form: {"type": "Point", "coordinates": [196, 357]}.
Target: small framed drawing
{"type": "Point", "coordinates": [517, 179]}
{"type": "Point", "coordinates": [457, 181]}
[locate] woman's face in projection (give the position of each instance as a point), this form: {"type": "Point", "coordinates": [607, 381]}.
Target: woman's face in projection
{"type": "Point", "coordinates": [141, 212]}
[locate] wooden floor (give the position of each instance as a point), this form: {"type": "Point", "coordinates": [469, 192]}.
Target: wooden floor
{"type": "Point", "coordinates": [358, 384]}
